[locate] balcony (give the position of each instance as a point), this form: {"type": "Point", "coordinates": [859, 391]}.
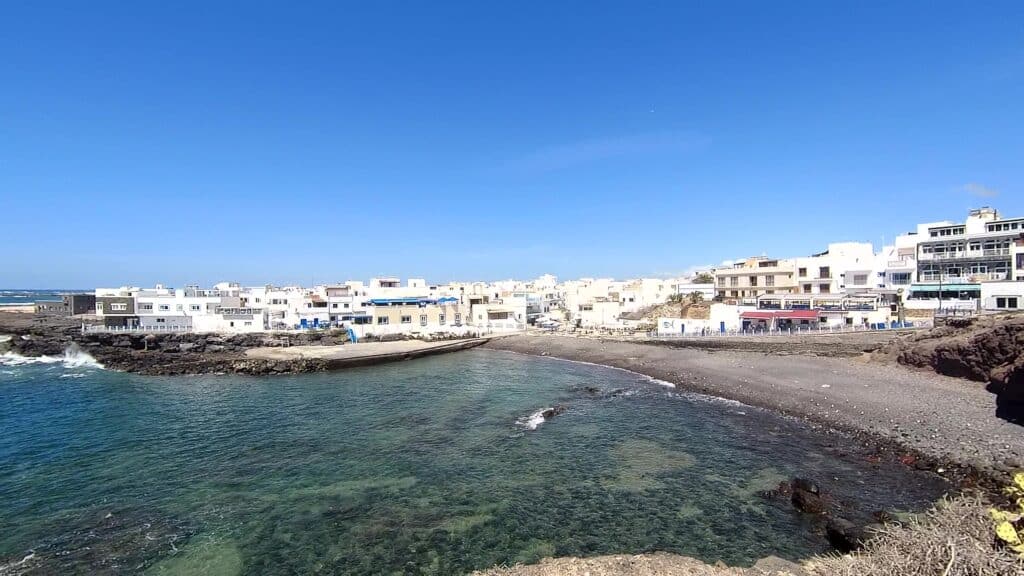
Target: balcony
{"type": "Point", "coordinates": [966, 254]}
{"type": "Point", "coordinates": [971, 279]}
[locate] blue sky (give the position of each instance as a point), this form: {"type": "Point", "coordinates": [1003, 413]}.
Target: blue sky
{"type": "Point", "coordinates": [146, 142]}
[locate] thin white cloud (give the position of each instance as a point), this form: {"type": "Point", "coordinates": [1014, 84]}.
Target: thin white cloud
{"type": "Point", "coordinates": [689, 272]}
{"type": "Point", "coordinates": [975, 189]}
{"type": "Point", "coordinates": [596, 149]}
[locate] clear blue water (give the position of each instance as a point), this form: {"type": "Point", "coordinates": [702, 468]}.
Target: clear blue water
{"type": "Point", "coordinates": [418, 467]}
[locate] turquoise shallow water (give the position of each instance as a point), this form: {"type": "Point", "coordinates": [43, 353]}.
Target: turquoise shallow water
{"type": "Point", "coordinates": [423, 467]}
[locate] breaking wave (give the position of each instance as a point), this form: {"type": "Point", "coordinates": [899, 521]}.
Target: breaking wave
{"type": "Point", "coordinates": [73, 357]}
{"type": "Point", "coordinates": [534, 420]}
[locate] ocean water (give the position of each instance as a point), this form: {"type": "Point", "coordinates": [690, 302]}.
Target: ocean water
{"type": "Point", "coordinates": [434, 466]}
{"type": "Point", "coordinates": [15, 297]}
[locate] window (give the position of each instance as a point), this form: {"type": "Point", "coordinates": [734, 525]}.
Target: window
{"type": "Point", "coordinates": [146, 307]}
{"type": "Point", "coordinates": [734, 281]}
{"type": "Point", "coordinates": [769, 280]}
{"type": "Point", "coordinates": [440, 319]}
{"type": "Point", "coordinates": [423, 319]}
{"type": "Point", "coordinates": [824, 288]}
{"type": "Point", "coordinates": [802, 272]}
{"type": "Point", "coordinates": [194, 307]}
{"type": "Point", "coordinates": [1006, 302]}
{"type": "Point", "coordinates": [165, 307]}
{"type": "Point", "coordinates": [99, 307]}
{"type": "Point", "coordinates": [721, 280]}
{"type": "Point", "coordinates": [824, 272]}
{"type": "Point", "coordinates": [248, 323]}
{"type": "Point", "coordinates": [178, 307]}
{"type": "Point", "coordinates": [406, 319]}
{"type": "Point", "coordinates": [334, 305]}
{"type": "Point", "coordinates": [860, 279]}
{"type": "Point", "coordinates": [160, 320]}
{"type": "Point", "coordinates": [257, 300]}
{"type": "Point", "coordinates": [807, 288]}
{"type": "Point", "coordinates": [901, 278]}
{"type": "Point", "coordinates": [753, 280]}
{"type": "Point", "coordinates": [345, 305]}
{"type": "Point", "coordinates": [458, 318]}
{"type": "Point", "coordinates": [118, 307]}
{"type": "Point", "coordinates": [381, 320]}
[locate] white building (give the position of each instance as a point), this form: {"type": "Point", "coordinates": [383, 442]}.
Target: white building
{"type": "Point", "coordinates": [956, 260]}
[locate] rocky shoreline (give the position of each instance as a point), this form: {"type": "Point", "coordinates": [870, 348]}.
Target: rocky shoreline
{"type": "Point", "coordinates": [176, 354]}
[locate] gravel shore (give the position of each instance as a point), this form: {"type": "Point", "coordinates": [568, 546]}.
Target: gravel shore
{"type": "Point", "coordinates": [945, 419]}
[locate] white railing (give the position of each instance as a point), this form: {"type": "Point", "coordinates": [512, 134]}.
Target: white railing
{"type": "Point", "coordinates": [899, 264]}
{"type": "Point", "coordinates": [969, 279]}
{"type": "Point", "coordinates": [830, 329]}
{"type": "Point", "coordinates": [92, 328]}
{"type": "Point", "coordinates": [964, 254]}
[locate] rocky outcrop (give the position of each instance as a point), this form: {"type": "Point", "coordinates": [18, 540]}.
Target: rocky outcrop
{"type": "Point", "coordinates": [985, 349]}
{"type": "Point", "coordinates": [164, 354]}
{"type": "Point", "coordinates": [806, 496]}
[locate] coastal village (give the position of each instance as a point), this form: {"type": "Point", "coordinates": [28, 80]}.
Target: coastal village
{"type": "Point", "coordinates": [949, 268]}
{"type": "Point", "coordinates": [512, 289]}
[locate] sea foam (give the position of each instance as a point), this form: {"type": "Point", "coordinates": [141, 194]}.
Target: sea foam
{"type": "Point", "coordinates": [73, 357]}
{"type": "Point", "coordinates": [533, 420]}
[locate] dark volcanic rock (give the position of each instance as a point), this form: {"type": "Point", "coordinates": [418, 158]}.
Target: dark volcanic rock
{"type": "Point", "coordinates": [806, 485]}
{"type": "Point", "coordinates": [845, 536]}
{"type": "Point", "coordinates": [986, 349]}
{"type": "Point", "coordinates": [807, 502]}
{"type": "Point", "coordinates": [554, 411]}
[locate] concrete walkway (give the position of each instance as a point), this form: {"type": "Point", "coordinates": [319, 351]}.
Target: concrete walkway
{"type": "Point", "coordinates": [364, 353]}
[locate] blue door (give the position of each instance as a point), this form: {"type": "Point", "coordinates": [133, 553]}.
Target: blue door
{"type": "Point", "coordinates": [721, 327]}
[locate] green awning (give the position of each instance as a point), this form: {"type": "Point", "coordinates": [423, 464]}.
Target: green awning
{"type": "Point", "coordinates": [945, 287]}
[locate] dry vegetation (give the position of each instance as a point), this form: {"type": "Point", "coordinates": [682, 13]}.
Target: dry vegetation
{"type": "Point", "coordinates": [954, 539]}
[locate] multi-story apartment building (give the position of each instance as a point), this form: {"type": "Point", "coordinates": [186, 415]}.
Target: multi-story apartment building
{"type": "Point", "coordinates": [747, 279]}
{"type": "Point", "coordinates": [843, 267]}
{"type": "Point", "coordinates": [955, 259]}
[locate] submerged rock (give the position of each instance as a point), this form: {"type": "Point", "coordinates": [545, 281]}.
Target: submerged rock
{"type": "Point", "coordinates": [548, 413]}
{"type": "Point", "coordinates": [804, 494]}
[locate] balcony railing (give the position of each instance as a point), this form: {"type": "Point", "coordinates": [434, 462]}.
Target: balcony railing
{"type": "Point", "coordinates": [91, 328]}
{"type": "Point", "coordinates": [965, 254]}
{"type": "Point", "coordinates": [981, 277]}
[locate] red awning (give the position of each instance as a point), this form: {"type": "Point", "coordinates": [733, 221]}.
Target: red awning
{"type": "Point", "coordinates": [781, 314]}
